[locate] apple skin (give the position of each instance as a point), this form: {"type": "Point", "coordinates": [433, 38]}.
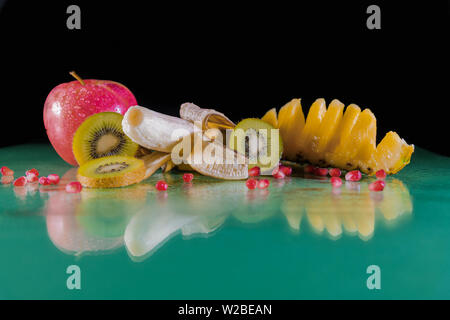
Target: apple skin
{"type": "Point", "coordinates": [69, 104]}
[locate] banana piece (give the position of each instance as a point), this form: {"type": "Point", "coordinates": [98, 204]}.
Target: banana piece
{"type": "Point", "coordinates": [154, 130]}
{"type": "Point", "coordinates": [205, 118]}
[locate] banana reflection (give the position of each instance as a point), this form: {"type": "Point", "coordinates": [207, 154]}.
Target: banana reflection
{"type": "Point", "coordinates": [351, 208]}
{"type": "Point", "coordinates": [142, 219]}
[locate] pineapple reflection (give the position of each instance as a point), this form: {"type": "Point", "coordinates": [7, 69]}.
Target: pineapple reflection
{"type": "Point", "coordinates": [351, 208]}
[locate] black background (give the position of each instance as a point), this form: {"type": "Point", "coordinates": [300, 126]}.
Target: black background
{"type": "Point", "coordinates": [241, 58]}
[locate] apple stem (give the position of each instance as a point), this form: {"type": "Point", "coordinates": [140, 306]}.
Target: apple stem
{"type": "Point", "coordinates": [74, 74]}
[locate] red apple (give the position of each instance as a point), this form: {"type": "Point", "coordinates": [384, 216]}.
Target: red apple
{"type": "Point", "coordinates": [68, 104]}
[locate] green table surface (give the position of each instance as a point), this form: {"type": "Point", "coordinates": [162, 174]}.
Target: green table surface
{"type": "Point", "coordinates": [214, 239]}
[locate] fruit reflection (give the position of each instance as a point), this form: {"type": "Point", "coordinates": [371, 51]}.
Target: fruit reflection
{"type": "Point", "coordinates": [92, 221]}
{"type": "Point", "coordinates": [351, 208]}
{"type": "Point", "coordinates": [143, 219]}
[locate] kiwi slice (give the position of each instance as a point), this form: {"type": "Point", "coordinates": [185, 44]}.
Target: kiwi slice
{"type": "Point", "coordinates": [259, 141]}
{"type": "Point", "coordinates": [111, 172]}
{"type": "Point", "coordinates": [101, 135]}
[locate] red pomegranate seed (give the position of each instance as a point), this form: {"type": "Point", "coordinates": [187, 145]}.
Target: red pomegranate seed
{"type": "Point", "coordinates": [31, 177]}
{"type": "Point", "coordinates": [53, 178]}
{"type": "Point", "coordinates": [354, 175]}
{"type": "Point", "coordinates": [263, 183]}
{"type": "Point", "coordinates": [6, 171]}
{"type": "Point", "coordinates": [251, 183]}
{"type": "Point", "coordinates": [377, 185]}
{"type": "Point", "coordinates": [7, 179]}
{"type": "Point", "coordinates": [187, 177]}
{"type": "Point", "coordinates": [161, 185]}
{"type": "Point", "coordinates": [32, 171]}
{"type": "Point", "coordinates": [279, 175]}
{"type": "Point", "coordinates": [44, 181]}
{"type": "Point", "coordinates": [309, 169]}
{"type": "Point", "coordinates": [336, 182]}
{"type": "Point", "coordinates": [20, 182]}
{"type": "Point", "coordinates": [254, 172]}
{"type": "Point", "coordinates": [286, 170]}
{"type": "Point", "coordinates": [321, 171]}
{"type": "Point", "coordinates": [73, 187]}
{"type": "Point", "coordinates": [334, 172]}
{"type": "Point", "coordinates": [380, 174]}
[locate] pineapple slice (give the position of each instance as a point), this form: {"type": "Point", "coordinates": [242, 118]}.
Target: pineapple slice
{"type": "Point", "coordinates": [346, 140]}
{"type": "Point", "coordinates": [271, 118]}
{"type": "Point", "coordinates": [291, 122]}
{"type": "Point", "coordinates": [393, 153]}
{"type": "Point", "coordinates": [308, 138]}
{"type": "Point", "coordinates": [344, 130]}
{"type": "Point", "coordinates": [350, 150]}
{"type": "Point", "coordinates": [327, 130]}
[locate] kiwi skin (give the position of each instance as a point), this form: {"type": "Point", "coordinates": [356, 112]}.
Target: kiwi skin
{"type": "Point", "coordinates": [133, 174]}
{"type": "Point", "coordinates": [90, 132]}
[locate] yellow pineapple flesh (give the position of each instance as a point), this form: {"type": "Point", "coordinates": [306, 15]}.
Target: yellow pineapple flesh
{"type": "Point", "coordinates": [332, 137]}
{"type": "Point", "coordinates": [327, 130]}
{"type": "Point", "coordinates": [271, 118]}
{"type": "Point", "coordinates": [308, 140]}
{"type": "Point", "coordinates": [290, 121]}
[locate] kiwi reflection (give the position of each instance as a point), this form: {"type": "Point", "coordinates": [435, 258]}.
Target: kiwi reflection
{"type": "Point", "coordinates": [142, 219]}
{"type": "Point", "coordinates": [93, 221]}
{"type": "Point", "coordinates": [351, 208]}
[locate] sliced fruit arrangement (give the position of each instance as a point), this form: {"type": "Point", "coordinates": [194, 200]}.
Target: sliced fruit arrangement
{"type": "Point", "coordinates": [334, 138]}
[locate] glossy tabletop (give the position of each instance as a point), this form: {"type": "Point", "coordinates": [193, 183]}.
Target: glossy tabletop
{"type": "Point", "coordinates": [213, 239]}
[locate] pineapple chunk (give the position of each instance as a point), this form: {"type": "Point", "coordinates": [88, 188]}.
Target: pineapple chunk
{"type": "Point", "coordinates": [327, 130]}
{"type": "Point", "coordinates": [309, 136]}
{"type": "Point", "coordinates": [343, 132]}
{"type": "Point", "coordinates": [271, 118]}
{"type": "Point", "coordinates": [393, 153]}
{"type": "Point", "coordinates": [291, 122]}
{"type": "Point", "coordinates": [348, 153]}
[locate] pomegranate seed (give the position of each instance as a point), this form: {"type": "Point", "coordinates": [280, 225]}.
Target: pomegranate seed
{"type": "Point", "coordinates": [336, 182]}
{"type": "Point", "coordinates": [7, 179]}
{"type": "Point", "coordinates": [354, 175]}
{"type": "Point", "coordinates": [334, 172]}
{"type": "Point", "coordinates": [309, 169]}
{"type": "Point", "coordinates": [187, 177]}
{"type": "Point", "coordinates": [286, 170]}
{"type": "Point", "coordinates": [44, 181]}
{"type": "Point", "coordinates": [279, 175]}
{"type": "Point", "coordinates": [377, 185]}
{"type": "Point", "coordinates": [263, 183]}
{"type": "Point", "coordinates": [321, 171]}
{"type": "Point", "coordinates": [251, 183]}
{"type": "Point", "coordinates": [53, 178]}
{"type": "Point", "coordinates": [33, 171]}
{"type": "Point", "coordinates": [31, 177]}
{"type": "Point", "coordinates": [73, 187]}
{"type": "Point", "coordinates": [20, 182]}
{"type": "Point", "coordinates": [161, 185]}
{"type": "Point", "coordinates": [7, 171]}
{"type": "Point", "coordinates": [254, 172]}
{"type": "Point", "coordinates": [380, 174]}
